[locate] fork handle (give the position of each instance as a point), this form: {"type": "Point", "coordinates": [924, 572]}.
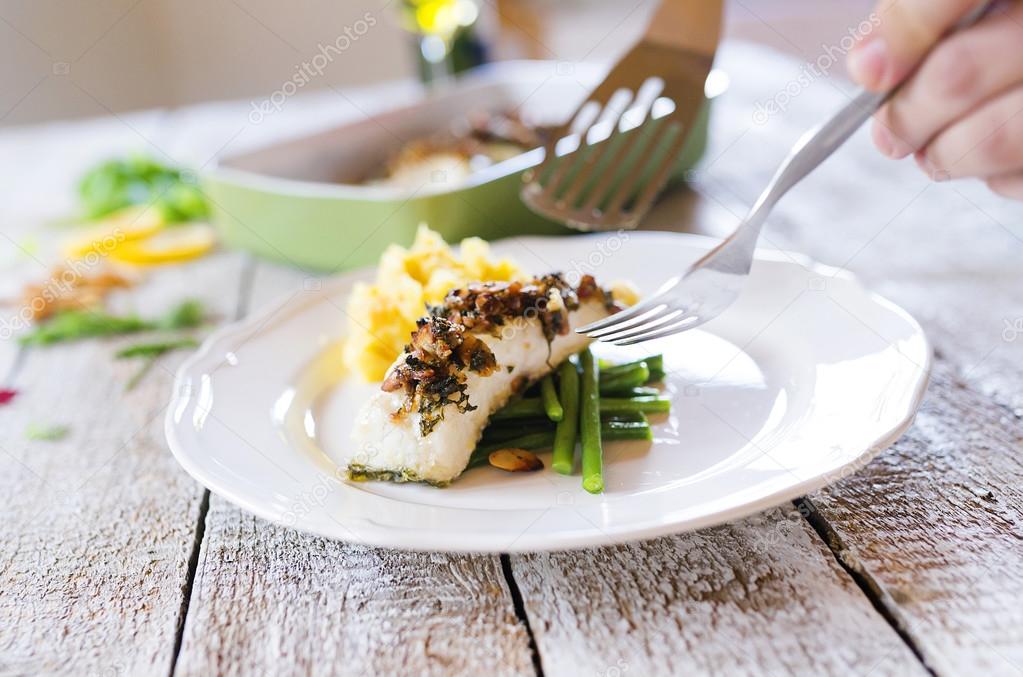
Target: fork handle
{"type": "Point", "coordinates": [819, 143]}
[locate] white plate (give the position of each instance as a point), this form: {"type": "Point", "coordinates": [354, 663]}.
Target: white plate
{"type": "Point", "coordinates": [805, 379]}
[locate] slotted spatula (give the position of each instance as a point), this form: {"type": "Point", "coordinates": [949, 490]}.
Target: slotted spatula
{"type": "Point", "coordinates": [598, 184]}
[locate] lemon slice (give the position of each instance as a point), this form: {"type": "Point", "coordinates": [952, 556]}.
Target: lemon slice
{"type": "Point", "coordinates": [130, 223]}
{"type": "Point", "coordinates": [170, 245]}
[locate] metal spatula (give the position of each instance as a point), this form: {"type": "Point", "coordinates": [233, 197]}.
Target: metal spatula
{"type": "Point", "coordinates": [587, 179]}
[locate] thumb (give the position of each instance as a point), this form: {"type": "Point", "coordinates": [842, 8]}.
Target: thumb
{"type": "Point", "coordinates": [906, 30]}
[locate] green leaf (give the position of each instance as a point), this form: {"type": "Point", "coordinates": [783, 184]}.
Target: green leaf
{"type": "Point", "coordinates": [138, 179]}
{"type": "Point", "coordinates": [75, 325]}
{"type": "Point", "coordinates": [187, 315]}
{"type": "Point", "coordinates": [156, 348]}
{"type": "Point", "coordinates": [46, 433]}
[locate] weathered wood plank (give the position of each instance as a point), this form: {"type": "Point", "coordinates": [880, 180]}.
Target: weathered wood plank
{"type": "Point", "coordinates": [933, 523]}
{"type": "Point", "coordinates": [267, 599]}
{"type": "Point", "coordinates": [758, 596]}
{"type": "Point", "coordinates": [98, 528]}
{"type": "Point", "coordinates": [270, 600]}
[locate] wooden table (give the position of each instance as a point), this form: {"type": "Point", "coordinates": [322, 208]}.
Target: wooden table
{"type": "Point", "coordinates": [115, 562]}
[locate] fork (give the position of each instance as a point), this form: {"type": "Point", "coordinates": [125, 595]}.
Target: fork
{"type": "Point", "coordinates": [716, 280]}
{"type": "Point", "coordinates": [666, 72]}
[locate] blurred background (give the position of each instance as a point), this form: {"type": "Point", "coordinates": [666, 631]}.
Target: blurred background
{"type": "Point", "coordinates": [62, 60]}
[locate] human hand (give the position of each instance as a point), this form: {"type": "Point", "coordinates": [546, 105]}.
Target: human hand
{"type": "Point", "coordinates": [961, 111]}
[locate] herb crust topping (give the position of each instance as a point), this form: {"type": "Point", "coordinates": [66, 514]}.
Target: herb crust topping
{"type": "Point", "coordinates": [444, 348]}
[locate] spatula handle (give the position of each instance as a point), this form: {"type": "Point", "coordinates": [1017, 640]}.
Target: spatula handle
{"type": "Point", "coordinates": [694, 25]}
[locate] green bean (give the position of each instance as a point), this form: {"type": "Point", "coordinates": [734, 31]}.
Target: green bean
{"type": "Point", "coordinates": [629, 405]}
{"type": "Point", "coordinates": [549, 397]}
{"type": "Point", "coordinates": [608, 369]}
{"type": "Point", "coordinates": [635, 432]}
{"type": "Point", "coordinates": [534, 440]}
{"type": "Point", "coordinates": [655, 363]}
{"type": "Point", "coordinates": [589, 424]}
{"type": "Point", "coordinates": [642, 391]}
{"type": "Point", "coordinates": [642, 434]}
{"type": "Point", "coordinates": [631, 417]}
{"type": "Point", "coordinates": [568, 427]}
{"type": "Point", "coordinates": [611, 429]}
{"type": "Point", "coordinates": [502, 433]}
{"type": "Point", "coordinates": [628, 427]}
{"type": "Point", "coordinates": [520, 409]}
{"type": "Point", "coordinates": [533, 408]}
{"type": "Point", "coordinates": [632, 377]}
{"type": "Point", "coordinates": [614, 429]}
{"type": "Point", "coordinates": [608, 424]}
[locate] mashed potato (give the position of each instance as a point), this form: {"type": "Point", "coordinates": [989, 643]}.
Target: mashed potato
{"type": "Point", "coordinates": [381, 316]}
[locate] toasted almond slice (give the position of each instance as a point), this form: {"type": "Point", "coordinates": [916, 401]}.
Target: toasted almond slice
{"type": "Point", "coordinates": [172, 244]}
{"type": "Point", "coordinates": [515, 460]}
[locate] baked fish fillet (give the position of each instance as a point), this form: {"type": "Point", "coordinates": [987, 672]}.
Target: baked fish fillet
{"type": "Point", "coordinates": [481, 346]}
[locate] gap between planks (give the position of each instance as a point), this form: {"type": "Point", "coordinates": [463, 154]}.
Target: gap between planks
{"type": "Point", "coordinates": [193, 566]}
{"type": "Point", "coordinates": [248, 274]}
{"type": "Point", "coordinates": [871, 588]}
{"type": "Point", "coordinates": [520, 611]}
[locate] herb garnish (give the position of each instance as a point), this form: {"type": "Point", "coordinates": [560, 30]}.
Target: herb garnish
{"type": "Point", "coordinates": [46, 433]}
{"type": "Point", "coordinates": [433, 374]}
{"type": "Point", "coordinates": [151, 352]}
{"type": "Point", "coordinates": [75, 325]}
{"type": "Point", "coordinates": [138, 179]}
{"type": "Point", "coordinates": [156, 348]}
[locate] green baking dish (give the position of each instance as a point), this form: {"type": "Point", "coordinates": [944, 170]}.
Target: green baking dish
{"type": "Point", "coordinates": [290, 201]}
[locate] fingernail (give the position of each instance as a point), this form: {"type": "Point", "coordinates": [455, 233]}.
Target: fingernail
{"type": "Point", "coordinates": [889, 144]}
{"type": "Point", "coordinates": [935, 173]}
{"type": "Point", "coordinates": [882, 139]}
{"type": "Point", "coordinates": [868, 62]}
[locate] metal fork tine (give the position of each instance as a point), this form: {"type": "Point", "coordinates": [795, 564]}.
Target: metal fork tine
{"type": "Point", "coordinates": [629, 313]}
{"type": "Point", "coordinates": [627, 322]}
{"type": "Point", "coordinates": [657, 300]}
{"type": "Point", "coordinates": [688, 321]}
{"type": "Point", "coordinates": [621, 333]}
{"type": "Point", "coordinates": [626, 189]}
